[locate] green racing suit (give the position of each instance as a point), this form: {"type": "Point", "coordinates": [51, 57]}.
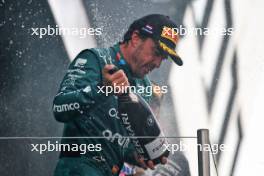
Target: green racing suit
{"type": "Point", "coordinates": [90, 116]}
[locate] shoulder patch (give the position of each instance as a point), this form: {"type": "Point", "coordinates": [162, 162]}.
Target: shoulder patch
{"type": "Point", "coordinates": [104, 55]}
{"type": "Point", "coordinates": [80, 62]}
{"type": "Point", "coordinates": [87, 89]}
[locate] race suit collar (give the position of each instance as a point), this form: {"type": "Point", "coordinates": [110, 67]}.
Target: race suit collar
{"type": "Point", "coordinates": [121, 62]}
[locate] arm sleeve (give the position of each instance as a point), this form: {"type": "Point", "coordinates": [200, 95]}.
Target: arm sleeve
{"type": "Point", "coordinates": [79, 89]}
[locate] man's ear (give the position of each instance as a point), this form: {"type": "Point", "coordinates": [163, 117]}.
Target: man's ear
{"type": "Point", "coordinates": [135, 39]}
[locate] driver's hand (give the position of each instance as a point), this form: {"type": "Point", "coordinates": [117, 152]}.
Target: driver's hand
{"type": "Point", "coordinates": [118, 78]}
{"type": "Point", "coordinates": [147, 164]}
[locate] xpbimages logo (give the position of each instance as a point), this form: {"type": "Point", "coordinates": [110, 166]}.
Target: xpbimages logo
{"type": "Point", "coordinates": [73, 31]}
{"type": "Point", "coordinates": [146, 90]}
{"type": "Point", "coordinates": [50, 147]}
{"type": "Point", "coordinates": [181, 146]}
{"type": "Point", "coordinates": [172, 33]}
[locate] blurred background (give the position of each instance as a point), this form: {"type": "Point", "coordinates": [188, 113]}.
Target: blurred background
{"type": "Point", "coordinates": [220, 87]}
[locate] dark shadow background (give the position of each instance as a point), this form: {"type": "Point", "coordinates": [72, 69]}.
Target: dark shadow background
{"type": "Point", "coordinates": [30, 71]}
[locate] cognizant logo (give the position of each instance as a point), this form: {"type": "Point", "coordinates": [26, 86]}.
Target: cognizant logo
{"type": "Point", "coordinates": [66, 107]}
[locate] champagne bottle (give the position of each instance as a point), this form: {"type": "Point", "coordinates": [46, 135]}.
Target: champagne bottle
{"type": "Point", "coordinates": [142, 126]}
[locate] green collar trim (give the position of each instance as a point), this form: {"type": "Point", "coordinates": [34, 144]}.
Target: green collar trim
{"type": "Point", "coordinates": [121, 62]}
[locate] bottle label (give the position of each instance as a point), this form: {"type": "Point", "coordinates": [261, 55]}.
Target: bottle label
{"type": "Point", "coordinates": [155, 148]}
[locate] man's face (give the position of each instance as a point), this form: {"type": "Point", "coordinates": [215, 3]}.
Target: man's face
{"type": "Point", "coordinates": [145, 58]}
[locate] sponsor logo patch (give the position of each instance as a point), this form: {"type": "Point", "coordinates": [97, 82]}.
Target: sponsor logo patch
{"type": "Point", "coordinates": [66, 107]}
{"type": "Point", "coordinates": [80, 62]}
{"type": "Point", "coordinates": [112, 137]}
{"type": "Point", "coordinates": [147, 28]}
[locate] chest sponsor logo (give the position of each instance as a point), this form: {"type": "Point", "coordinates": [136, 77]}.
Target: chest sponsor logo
{"type": "Point", "coordinates": [112, 137]}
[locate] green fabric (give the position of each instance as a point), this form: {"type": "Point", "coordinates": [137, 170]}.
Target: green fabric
{"type": "Point", "coordinates": [77, 167]}
{"type": "Point", "coordinates": [91, 116]}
